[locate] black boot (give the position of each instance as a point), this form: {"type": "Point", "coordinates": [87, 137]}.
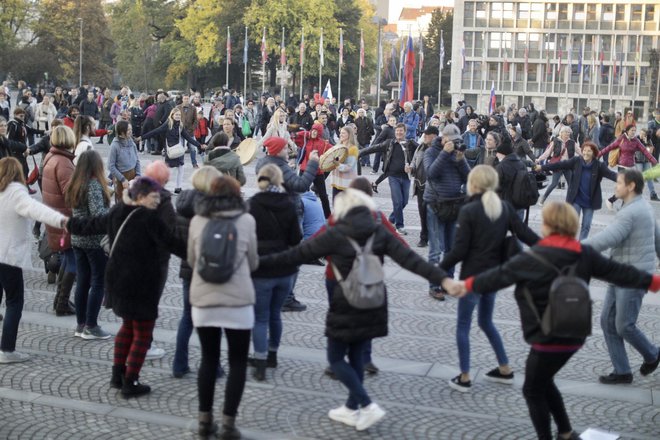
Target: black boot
{"type": "Point", "coordinates": [271, 362]}
{"type": "Point", "coordinates": [259, 370]}
{"type": "Point", "coordinates": [207, 427]}
{"type": "Point", "coordinates": [229, 430]}
{"type": "Point", "coordinates": [117, 379]}
{"type": "Point", "coordinates": [63, 306]}
{"type": "Point", "coordinates": [133, 388]}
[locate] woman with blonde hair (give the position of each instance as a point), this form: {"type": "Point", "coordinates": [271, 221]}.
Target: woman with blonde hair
{"type": "Point", "coordinates": [277, 230]}
{"type": "Point", "coordinates": [481, 243]}
{"type": "Point", "coordinates": [175, 133]}
{"type": "Point", "coordinates": [16, 207]}
{"type": "Point", "coordinates": [345, 172]}
{"type": "Point", "coordinates": [278, 127]}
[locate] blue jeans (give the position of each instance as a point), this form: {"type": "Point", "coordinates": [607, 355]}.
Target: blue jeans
{"type": "Point", "coordinates": [183, 332]}
{"type": "Point", "coordinates": [267, 331]}
{"type": "Point", "coordinates": [441, 239]}
{"type": "Point", "coordinates": [90, 265]}
{"type": "Point", "coordinates": [11, 280]}
{"type": "Point", "coordinates": [400, 192]}
{"type": "Point", "coordinates": [377, 161]}
{"type": "Point", "coordinates": [643, 167]}
{"type": "Point", "coordinates": [618, 321]}
{"type": "Point", "coordinates": [365, 160]}
{"type": "Point", "coordinates": [587, 217]}
{"type": "Point", "coordinates": [466, 305]}
{"type": "Point", "coordinates": [69, 261]}
{"type": "Point", "coordinates": [556, 176]}
{"type": "Point", "coordinates": [350, 373]}
{"type": "Point", "coordinates": [193, 153]}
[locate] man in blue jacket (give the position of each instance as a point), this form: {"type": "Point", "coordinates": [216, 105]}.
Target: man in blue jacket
{"type": "Point", "coordinates": [411, 120]}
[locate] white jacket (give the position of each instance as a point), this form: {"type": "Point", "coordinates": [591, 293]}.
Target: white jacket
{"type": "Point", "coordinates": [16, 207]}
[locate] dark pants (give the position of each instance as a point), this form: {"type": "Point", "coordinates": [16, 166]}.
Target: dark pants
{"type": "Point", "coordinates": [90, 266]}
{"type": "Point", "coordinates": [350, 373]}
{"type": "Point", "coordinates": [322, 193]}
{"type": "Point", "coordinates": [541, 393]}
{"type": "Point", "coordinates": [132, 343]}
{"type": "Point", "coordinates": [11, 280]}
{"type": "Point", "coordinates": [183, 333]}
{"type": "Point", "coordinates": [239, 345]}
{"type": "Point", "coordinates": [421, 208]}
{"type": "Point", "coordinates": [365, 160]}
{"type": "Point", "coordinates": [375, 165]}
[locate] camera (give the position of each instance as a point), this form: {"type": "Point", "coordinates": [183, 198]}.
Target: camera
{"type": "Point", "coordinates": [459, 145]}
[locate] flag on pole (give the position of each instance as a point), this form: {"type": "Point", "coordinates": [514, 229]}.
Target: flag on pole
{"type": "Point", "coordinates": [283, 51]}
{"type": "Point", "coordinates": [506, 61]}
{"type": "Point", "coordinates": [527, 59]}
{"type": "Point", "coordinates": [442, 51]}
{"type": "Point", "coordinates": [361, 49]}
{"type": "Point", "coordinates": [421, 52]}
{"type": "Point", "coordinates": [321, 60]}
{"type": "Point", "coordinates": [341, 48]}
{"type": "Point", "coordinates": [264, 54]}
{"type": "Point", "coordinates": [548, 69]}
{"type": "Point", "coordinates": [613, 57]}
{"type": "Point", "coordinates": [393, 72]}
{"type": "Point", "coordinates": [602, 59]}
{"type": "Point", "coordinates": [402, 54]}
{"type": "Point", "coordinates": [580, 59]}
{"type": "Point", "coordinates": [442, 48]}
{"type": "Point", "coordinates": [637, 59]}
{"type": "Point", "coordinates": [245, 47]}
{"type": "Point", "coordinates": [302, 47]}
{"type": "Point", "coordinates": [228, 46]}
{"type": "Point", "coordinates": [327, 92]}
{"type": "Point", "coordinates": [559, 64]}
{"type": "Point", "coordinates": [492, 102]}
{"type": "Point", "coordinates": [407, 82]}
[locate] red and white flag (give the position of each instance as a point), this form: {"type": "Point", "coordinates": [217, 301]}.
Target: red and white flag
{"type": "Point", "coordinates": [361, 49]}
{"type": "Point", "coordinates": [282, 51]}
{"type": "Point", "coordinates": [264, 54]}
{"type": "Point", "coordinates": [228, 46]}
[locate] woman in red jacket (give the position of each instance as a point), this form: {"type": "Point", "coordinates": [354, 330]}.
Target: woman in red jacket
{"type": "Point", "coordinates": [316, 142]}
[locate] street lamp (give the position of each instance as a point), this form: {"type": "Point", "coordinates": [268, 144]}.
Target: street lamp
{"type": "Point", "coordinates": [80, 20]}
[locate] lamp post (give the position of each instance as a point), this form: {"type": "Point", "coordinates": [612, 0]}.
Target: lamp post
{"type": "Point", "coordinates": [80, 20]}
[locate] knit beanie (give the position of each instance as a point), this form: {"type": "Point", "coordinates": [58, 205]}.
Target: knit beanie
{"type": "Point", "coordinates": [274, 145]}
{"type": "Point", "coordinates": [505, 147]}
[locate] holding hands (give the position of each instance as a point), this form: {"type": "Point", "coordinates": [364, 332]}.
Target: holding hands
{"type": "Point", "coordinates": [454, 288]}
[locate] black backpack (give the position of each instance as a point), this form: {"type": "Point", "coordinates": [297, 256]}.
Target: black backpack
{"type": "Point", "coordinates": [568, 313]}
{"type": "Point", "coordinates": [525, 191]}
{"type": "Point", "coordinates": [216, 262]}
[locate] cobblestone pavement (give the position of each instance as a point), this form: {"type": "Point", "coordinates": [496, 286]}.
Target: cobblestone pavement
{"type": "Point", "coordinates": [63, 392]}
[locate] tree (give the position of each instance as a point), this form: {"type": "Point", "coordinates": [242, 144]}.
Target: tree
{"type": "Point", "coordinates": [440, 20]}
{"type": "Point", "coordinates": [58, 32]}
{"type": "Point", "coordinates": [16, 18]}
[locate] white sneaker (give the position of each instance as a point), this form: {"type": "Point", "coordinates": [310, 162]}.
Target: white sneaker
{"type": "Point", "coordinates": [369, 416]}
{"type": "Point", "coordinates": [154, 353]}
{"type": "Point", "coordinates": [402, 231]}
{"type": "Point", "coordinates": [12, 357]}
{"type": "Point", "coordinates": [344, 415]}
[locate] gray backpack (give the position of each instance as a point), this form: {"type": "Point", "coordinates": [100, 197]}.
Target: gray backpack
{"type": "Point", "coordinates": [364, 286]}
{"type": "Point", "coordinates": [216, 262]}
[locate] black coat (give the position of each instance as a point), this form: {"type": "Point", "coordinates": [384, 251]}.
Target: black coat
{"type": "Point", "coordinates": [88, 108]}
{"type": "Point", "coordinates": [133, 276]}
{"type": "Point", "coordinates": [506, 171]}
{"type": "Point", "coordinates": [479, 242]}
{"type": "Point", "coordinates": [523, 270]}
{"type": "Point", "coordinates": [277, 229]}
{"type": "Point", "coordinates": [365, 130]}
{"type": "Point", "coordinates": [387, 147]}
{"type": "Point", "coordinates": [305, 120]}
{"type": "Point", "coordinates": [185, 211]}
{"type": "Point", "coordinates": [599, 170]}
{"type": "Point", "coordinates": [525, 127]}
{"type": "Point", "coordinates": [606, 135]}
{"type": "Point", "coordinates": [172, 137]}
{"type": "Point", "coordinates": [540, 133]}
{"type": "Point", "coordinates": [344, 322]}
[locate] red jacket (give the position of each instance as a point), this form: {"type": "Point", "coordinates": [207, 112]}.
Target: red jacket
{"type": "Point", "coordinates": [201, 128]}
{"type": "Point", "coordinates": [57, 172]}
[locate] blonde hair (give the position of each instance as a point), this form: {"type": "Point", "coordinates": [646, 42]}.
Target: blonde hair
{"type": "Point", "coordinates": [351, 135]}
{"type": "Point", "coordinates": [62, 137]}
{"type": "Point", "coordinates": [269, 175]}
{"type": "Point", "coordinates": [351, 198]}
{"type": "Point", "coordinates": [483, 180]}
{"type": "Point", "coordinates": [275, 119]}
{"type": "Point", "coordinates": [203, 177]}
{"type": "Point", "coordinates": [170, 118]}
{"type": "Point", "coordinates": [560, 218]}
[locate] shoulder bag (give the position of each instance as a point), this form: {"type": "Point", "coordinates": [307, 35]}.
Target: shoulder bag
{"type": "Point", "coordinates": [176, 151]}
{"type": "Point", "coordinates": [105, 241]}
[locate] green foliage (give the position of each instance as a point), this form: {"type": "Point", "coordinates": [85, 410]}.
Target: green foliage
{"type": "Point", "coordinates": [439, 21]}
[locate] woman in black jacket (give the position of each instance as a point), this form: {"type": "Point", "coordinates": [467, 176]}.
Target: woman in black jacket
{"type": "Point", "coordinates": [540, 133]}
{"type": "Point", "coordinates": [348, 328]}
{"type": "Point", "coordinates": [548, 354]}
{"type": "Point", "coordinates": [584, 191]}
{"type": "Point", "coordinates": [277, 230]}
{"type": "Point", "coordinates": [481, 243]}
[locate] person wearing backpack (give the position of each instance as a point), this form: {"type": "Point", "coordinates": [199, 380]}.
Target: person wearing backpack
{"type": "Point", "coordinates": [480, 243]}
{"type": "Point", "coordinates": [560, 149]}
{"type": "Point", "coordinates": [222, 303]}
{"type": "Point", "coordinates": [508, 168]}
{"type": "Point", "coordinates": [549, 353]}
{"type": "Point", "coordinates": [633, 238]}
{"type": "Point", "coordinates": [349, 327]}
{"type": "Point", "coordinates": [277, 230]}
{"type": "Point", "coordinates": [584, 191]}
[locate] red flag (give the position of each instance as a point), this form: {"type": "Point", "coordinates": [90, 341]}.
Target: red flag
{"type": "Point", "coordinates": [361, 50]}
{"type": "Point", "coordinates": [228, 47]}
{"type": "Point", "coordinates": [341, 47]}
{"type": "Point", "coordinates": [408, 73]}
{"type": "Point", "coordinates": [506, 61]}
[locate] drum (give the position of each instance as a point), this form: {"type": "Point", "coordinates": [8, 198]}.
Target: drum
{"type": "Point", "coordinates": [247, 151]}
{"type": "Point", "coordinates": [331, 158]}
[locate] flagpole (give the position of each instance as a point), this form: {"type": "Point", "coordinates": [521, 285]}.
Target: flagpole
{"type": "Point", "coordinates": [245, 65]}
{"type": "Point", "coordinates": [283, 91]}
{"type": "Point", "coordinates": [611, 75]}
{"type": "Point", "coordinates": [302, 61]}
{"type": "Point", "coordinates": [228, 55]}
{"type": "Point", "coordinates": [421, 56]}
{"type": "Point", "coordinates": [321, 62]}
{"type": "Point", "coordinates": [341, 56]}
{"type": "Point", "coordinates": [360, 67]}
{"type": "Point", "coordinates": [263, 62]}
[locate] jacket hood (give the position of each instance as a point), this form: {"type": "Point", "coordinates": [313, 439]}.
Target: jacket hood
{"type": "Point", "coordinates": [208, 206]}
{"type": "Point", "coordinates": [59, 151]}
{"type": "Point", "coordinates": [318, 127]}
{"type": "Point", "coordinates": [358, 223]}
{"type": "Point", "coordinates": [272, 201]}
{"type": "Point", "coordinates": [185, 203]}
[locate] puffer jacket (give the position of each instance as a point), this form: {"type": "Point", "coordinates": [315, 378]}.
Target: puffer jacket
{"type": "Point", "coordinates": [445, 174]}
{"type": "Point", "coordinates": [227, 162]}
{"type": "Point", "coordinates": [57, 172]}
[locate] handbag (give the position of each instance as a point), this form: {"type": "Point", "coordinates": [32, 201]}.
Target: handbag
{"type": "Point", "coordinates": [176, 151]}
{"type": "Point", "coordinates": [105, 241]}
{"type": "Point", "coordinates": [34, 174]}
{"type": "Point", "coordinates": [447, 210]}
{"type": "Point", "coordinates": [613, 158]}
{"type": "Point", "coordinates": [247, 131]}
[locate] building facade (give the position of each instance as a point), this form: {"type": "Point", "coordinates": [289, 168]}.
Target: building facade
{"type": "Point", "coordinates": [560, 55]}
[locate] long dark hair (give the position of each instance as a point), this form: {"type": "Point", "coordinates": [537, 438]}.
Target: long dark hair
{"type": "Point", "coordinates": [82, 125]}
{"type": "Point", "coordinates": [89, 166]}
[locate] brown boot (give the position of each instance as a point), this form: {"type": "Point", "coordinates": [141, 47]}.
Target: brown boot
{"type": "Point", "coordinates": [229, 430]}
{"type": "Point", "coordinates": [63, 306]}
{"type": "Point", "coordinates": [207, 427]}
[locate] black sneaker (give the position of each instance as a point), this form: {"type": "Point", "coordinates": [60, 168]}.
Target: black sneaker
{"type": "Point", "coordinates": [133, 388]}
{"type": "Point", "coordinates": [293, 305]}
{"type": "Point", "coordinates": [422, 243]}
{"type": "Point", "coordinates": [654, 197]}
{"type": "Point", "coordinates": [650, 367]}
{"type": "Point", "coordinates": [616, 379]}
{"type": "Point", "coordinates": [456, 384]}
{"type": "Point", "coordinates": [370, 368]}
{"type": "Point", "coordinates": [331, 374]}
{"type": "Point", "coordinates": [574, 436]}
{"type": "Point", "coordinates": [494, 375]}
{"type": "Point", "coordinates": [438, 294]}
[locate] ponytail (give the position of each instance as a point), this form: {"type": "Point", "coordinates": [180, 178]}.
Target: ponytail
{"type": "Point", "coordinates": [492, 205]}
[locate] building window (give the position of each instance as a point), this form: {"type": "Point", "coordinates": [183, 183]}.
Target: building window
{"type": "Point", "coordinates": [496, 10]}
{"type": "Point", "coordinates": [578, 12]}
{"type": "Point", "coordinates": [495, 40]}
{"type": "Point", "coordinates": [506, 40]}
{"type": "Point", "coordinates": [650, 10]}
{"type": "Point", "coordinates": [551, 11]}
{"type": "Point", "coordinates": [537, 14]}
{"type": "Point", "coordinates": [523, 11]}
{"type": "Point", "coordinates": [636, 17]}
{"type": "Point", "coordinates": [608, 13]}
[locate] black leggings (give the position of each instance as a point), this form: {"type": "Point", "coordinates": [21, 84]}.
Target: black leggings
{"type": "Point", "coordinates": [239, 346]}
{"type": "Point", "coordinates": [322, 193]}
{"type": "Point", "coordinates": [541, 393]}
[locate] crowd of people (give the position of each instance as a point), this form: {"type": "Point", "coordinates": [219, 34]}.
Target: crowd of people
{"type": "Point", "coordinates": [472, 178]}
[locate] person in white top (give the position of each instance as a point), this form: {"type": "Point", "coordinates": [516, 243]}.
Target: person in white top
{"type": "Point", "coordinates": [16, 207]}
{"type": "Point", "coordinates": [44, 114]}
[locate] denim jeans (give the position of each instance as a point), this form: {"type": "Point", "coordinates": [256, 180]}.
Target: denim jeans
{"type": "Point", "coordinates": [421, 208]}
{"type": "Point", "coordinates": [350, 373]}
{"type": "Point", "coordinates": [376, 162]}
{"type": "Point", "coordinates": [365, 160]}
{"type": "Point", "coordinates": [441, 239]}
{"type": "Point", "coordinates": [183, 332]}
{"type": "Point", "coordinates": [587, 217]}
{"type": "Point", "coordinates": [267, 331]}
{"type": "Point", "coordinates": [69, 261]}
{"type": "Point", "coordinates": [90, 265]}
{"type": "Point", "coordinates": [466, 305]}
{"type": "Point", "coordinates": [193, 153]}
{"type": "Point", "coordinates": [643, 167]}
{"type": "Point", "coordinates": [400, 191]}
{"type": "Point", "coordinates": [556, 176]}
{"type": "Point", "coordinates": [11, 280]}
{"type": "Point", "coordinates": [541, 394]}
{"type": "Point", "coordinates": [618, 321]}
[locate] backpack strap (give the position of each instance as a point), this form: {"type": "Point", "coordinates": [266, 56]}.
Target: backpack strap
{"type": "Point", "coordinates": [530, 303]}
{"type": "Point", "coordinates": [544, 261]}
